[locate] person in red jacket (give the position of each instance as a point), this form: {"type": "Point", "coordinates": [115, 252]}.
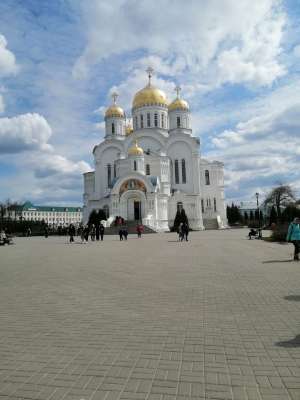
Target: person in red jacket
{"type": "Point", "coordinates": [139, 230]}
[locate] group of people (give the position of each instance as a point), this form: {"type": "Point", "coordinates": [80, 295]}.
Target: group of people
{"type": "Point", "coordinates": [96, 232]}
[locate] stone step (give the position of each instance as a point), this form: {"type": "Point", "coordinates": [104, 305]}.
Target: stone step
{"type": "Point", "coordinates": [210, 224]}
{"type": "Point", "coordinates": [130, 225]}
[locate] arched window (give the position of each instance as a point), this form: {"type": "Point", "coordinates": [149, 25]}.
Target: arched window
{"type": "Point", "coordinates": [113, 128]}
{"type": "Point", "coordinates": [142, 120]}
{"type": "Point", "coordinates": [148, 120]}
{"type": "Point", "coordinates": [115, 170]}
{"type": "Point", "coordinates": [136, 122]}
{"type": "Point", "coordinates": [155, 119]}
{"type": "Point", "coordinates": [202, 205]}
{"type": "Point", "coordinates": [147, 169]}
{"type": "Point", "coordinates": [162, 120]}
{"type": "Point", "coordinates": [109, 175]}
{"type": "Point", "coordinates": [207, 180]}
{"type": "Point", "coordinates": [183, 170]}
{"type": "Point", "coordinates": [176, 172]}
{"type": "Point", "coordinates": [178, 122]}
{"type": "Point", "coordinates": [134, 165]}
{"type": "Point", "coordinates": [215, 204]}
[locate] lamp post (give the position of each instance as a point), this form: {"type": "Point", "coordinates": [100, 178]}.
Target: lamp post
{"type": "Point", "coordinates": [258, 213]}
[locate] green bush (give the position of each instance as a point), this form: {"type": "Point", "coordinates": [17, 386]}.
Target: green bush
{"type": "Point", "coordinates": [280, 232]}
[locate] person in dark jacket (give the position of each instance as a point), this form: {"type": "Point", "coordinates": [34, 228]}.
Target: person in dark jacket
{"type": "Point", "coordinates": [46, 232]}
{"type": "Point", "coordinates": [72, 232]}
{"type": "Point", "coordinates": [97, 232]}
{"type": "Point", "coordinates": [293, 236]}
{"type": "Point", "coordinates": [184, 231]}
{"type": "Point", "coordinates": [101, 231]}
{"type": "Point", "coordinates": [86, 232]}
{"type": "Point", "coordinates": [125, 232]}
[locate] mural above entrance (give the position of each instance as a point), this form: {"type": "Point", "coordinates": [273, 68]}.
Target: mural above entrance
{"type": "Point", "coordinates": [132, 184]}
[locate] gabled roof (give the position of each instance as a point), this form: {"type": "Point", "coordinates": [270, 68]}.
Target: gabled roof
{"type": "Point", "coordinates": [28, 206]}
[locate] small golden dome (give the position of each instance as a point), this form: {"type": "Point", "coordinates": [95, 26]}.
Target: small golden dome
{"type": "Point", "coordinates": [128, 130]}
{"type": "Point", "coordinates": [114, 111]}
{"type": "Point", "coordinates": [135, 150]}
{"type": "Point", "coordinates": [148, 96]}
{"type": "Point", "coordinates": [179, 104]}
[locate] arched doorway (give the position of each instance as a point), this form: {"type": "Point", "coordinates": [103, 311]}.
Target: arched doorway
{"type": "Point", "coordinates": [134, 208]}
{"type": "Point", "coordinates": [133, 205]}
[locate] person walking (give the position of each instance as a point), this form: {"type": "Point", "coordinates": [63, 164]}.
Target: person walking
{"type": "Point", "coordinates": [93, 233]}
{"type": "Point", "coordinates": [46, 232]}
{"type": "Point", "coordinates": [125, 232]}
{"type": "Point", "coordinates": [293, 236]}
{"type": "Point", "coordinates": [101, 231]}
{"type": "Point", "coordinates": [72, 232]}
{"type": "Point", "coordinates": [121, 233]}
{"type": "Point", "coordinates": [86, 232]}
{"type": "Point", "coordinates": [139, 230]}
{"type": "Point", "coordinates": [97, 232]}
{"type": "Point", "coordinates": [185, 231]}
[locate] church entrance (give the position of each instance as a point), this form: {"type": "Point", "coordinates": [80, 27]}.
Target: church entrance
{"type": "Point", "coordinates": [137, 210]}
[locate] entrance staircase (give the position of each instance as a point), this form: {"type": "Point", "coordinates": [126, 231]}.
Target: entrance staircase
{"type": "Point", "coordinates": [130, 225]}
{"type": "Point", "coordinates": [210, 224]}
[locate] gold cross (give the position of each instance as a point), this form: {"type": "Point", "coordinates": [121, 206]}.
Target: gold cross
{"type": "Point", "coordinates": [150, 71]}
{"type": "Point", "coordinates": [114, 97]}
{"type": "Point", "coordinates": [178, 90]}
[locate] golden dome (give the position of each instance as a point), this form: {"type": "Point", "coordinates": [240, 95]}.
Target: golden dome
{"type": "Point", "coordinates": [148, 96]}
{"type": "Point", "coordinates": [179, 104]}
{"type": "Point", "coordinates": [135, 150]}
{"type": "Point", "coordinates": [128, 130]}
{"type": "Point", "coordinates": [114, 111]}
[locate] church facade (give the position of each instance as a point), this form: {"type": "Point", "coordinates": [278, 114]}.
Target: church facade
{"type": "Point", "coordinates": [148, 170]}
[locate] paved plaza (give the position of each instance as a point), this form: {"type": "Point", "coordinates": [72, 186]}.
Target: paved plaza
{"type": "Point", "coordinates": [217, 317]}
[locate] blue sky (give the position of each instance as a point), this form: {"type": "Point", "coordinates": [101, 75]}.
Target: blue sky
{"type": "Point", "coordinates": [237, 63]}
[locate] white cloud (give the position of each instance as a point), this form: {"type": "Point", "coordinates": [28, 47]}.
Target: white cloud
{"type": "Point", "coordinates": [46, 165]}
{"type": "Point", "coordinates": [24, 132]}
{"type": "Point", "coordinates": [207, 42]}
{"type": "Point", "coordinates": [264, 148]}
{"type": "Point", "coordinates": [8, 64]}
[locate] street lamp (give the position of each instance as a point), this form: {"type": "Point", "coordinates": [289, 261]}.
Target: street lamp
{"type": "Point", "coordinates": [258, 213]}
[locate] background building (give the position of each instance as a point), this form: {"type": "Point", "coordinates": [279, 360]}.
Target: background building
{"type": "Point", "coordinates": [52, 215]}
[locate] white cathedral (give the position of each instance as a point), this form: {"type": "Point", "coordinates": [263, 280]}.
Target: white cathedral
{"type": "Point", "coordinates": [148, 171]}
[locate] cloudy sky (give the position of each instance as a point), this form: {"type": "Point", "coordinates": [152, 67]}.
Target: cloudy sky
{"type": "Point", "coordinates": [237, 62]}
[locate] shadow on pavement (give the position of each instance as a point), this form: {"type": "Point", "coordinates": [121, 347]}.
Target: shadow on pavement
{"type": "Point", "coordinates": [276, 261]}
{"type": "Point", "coordinates": [292, 297]}
{"type": "Point", "coordinates": [290, 343]}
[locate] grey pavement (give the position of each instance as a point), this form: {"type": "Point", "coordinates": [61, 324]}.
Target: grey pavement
{"type": "Point", "coordinates": [217, 317]}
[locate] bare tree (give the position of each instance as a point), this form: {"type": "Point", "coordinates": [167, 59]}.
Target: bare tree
{"type": "Point", "coordinates": [280, 197]}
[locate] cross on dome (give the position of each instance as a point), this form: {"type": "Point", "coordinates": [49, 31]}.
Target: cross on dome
{"type": "Point", "coordinates": [114, 97]}
{"type": "Point", "coordinates": [177, 90]}
{"type": "Point", "coordinates": [150, 71]}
